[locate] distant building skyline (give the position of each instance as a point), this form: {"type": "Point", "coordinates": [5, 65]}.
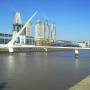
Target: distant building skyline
{"type": "Point", "coordinates": [44, 34]}
{"type": "Point", "coordinates": [72, 17]}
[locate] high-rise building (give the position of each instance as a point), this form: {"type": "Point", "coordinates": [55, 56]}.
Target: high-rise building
{"type": "Point", "coordinates": [39, 32]}
{"type": "Point", "coordinates": [44, 34]}
{"type": "Point", "coordinates": [17, 25]}
{"type": "Point", "coordinates": [46, 30]}
{"type": "Point", "coordinates": [53, 32]}
{"type": "Point", "coordinates": [29, 29]}
{"type": "Point", "coordinates": [17, 22]}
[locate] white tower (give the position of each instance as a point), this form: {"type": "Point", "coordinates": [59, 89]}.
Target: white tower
{"type": "Point", "coordinates": [17, 19]}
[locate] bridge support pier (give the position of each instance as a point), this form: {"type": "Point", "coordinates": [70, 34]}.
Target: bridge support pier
{"type": "Point", "coordinates": [11, 50]}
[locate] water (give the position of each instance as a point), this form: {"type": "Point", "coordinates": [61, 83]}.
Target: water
{"type": "Point", "coordinates": [43, 71]}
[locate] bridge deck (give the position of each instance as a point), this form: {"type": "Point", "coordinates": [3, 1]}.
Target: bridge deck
{"type": "Point", "coordinates": [38, 48]}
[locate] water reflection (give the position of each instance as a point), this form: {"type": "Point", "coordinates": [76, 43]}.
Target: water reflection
{"type": "Point", "coordinates": [76, 68]}
{"type": "Point", "coordinates": [77, 62]}
{"type": "Point", "coordinates": [11, 62]}
{"type": "Point", "coordinates": [45, 53]}
{"type": "Point", "coordinates": [10, 66]}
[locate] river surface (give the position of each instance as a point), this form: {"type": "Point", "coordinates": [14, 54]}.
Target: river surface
{"type": "Point", "coordinates": [43, 71]}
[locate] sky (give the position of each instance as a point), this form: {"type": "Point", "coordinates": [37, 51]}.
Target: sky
{"type": "Point", "coordinates": [72, 17]}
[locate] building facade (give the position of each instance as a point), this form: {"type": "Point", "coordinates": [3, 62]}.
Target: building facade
{"type": "Point", "coordinates": [5, 38]}
{"type": "Point", "coordinates": [39, 33]}
{"type": "Point", "coordinates": [29, 29]}
{"type": "Point", "coordinates": [46, 32]}
{"type": "Point", "coordinates": [53, 32]}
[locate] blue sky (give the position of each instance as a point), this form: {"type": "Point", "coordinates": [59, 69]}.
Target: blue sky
{"type": "Point", "coordinates": [72, 17]}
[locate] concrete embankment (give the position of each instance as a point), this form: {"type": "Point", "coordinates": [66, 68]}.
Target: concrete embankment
{"type": "Point", "coordinates": [33, 49]}
{"type": "Point", "coordinates": [4, 50]}
{"type": "Point", "coordinates": [82, 85]}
